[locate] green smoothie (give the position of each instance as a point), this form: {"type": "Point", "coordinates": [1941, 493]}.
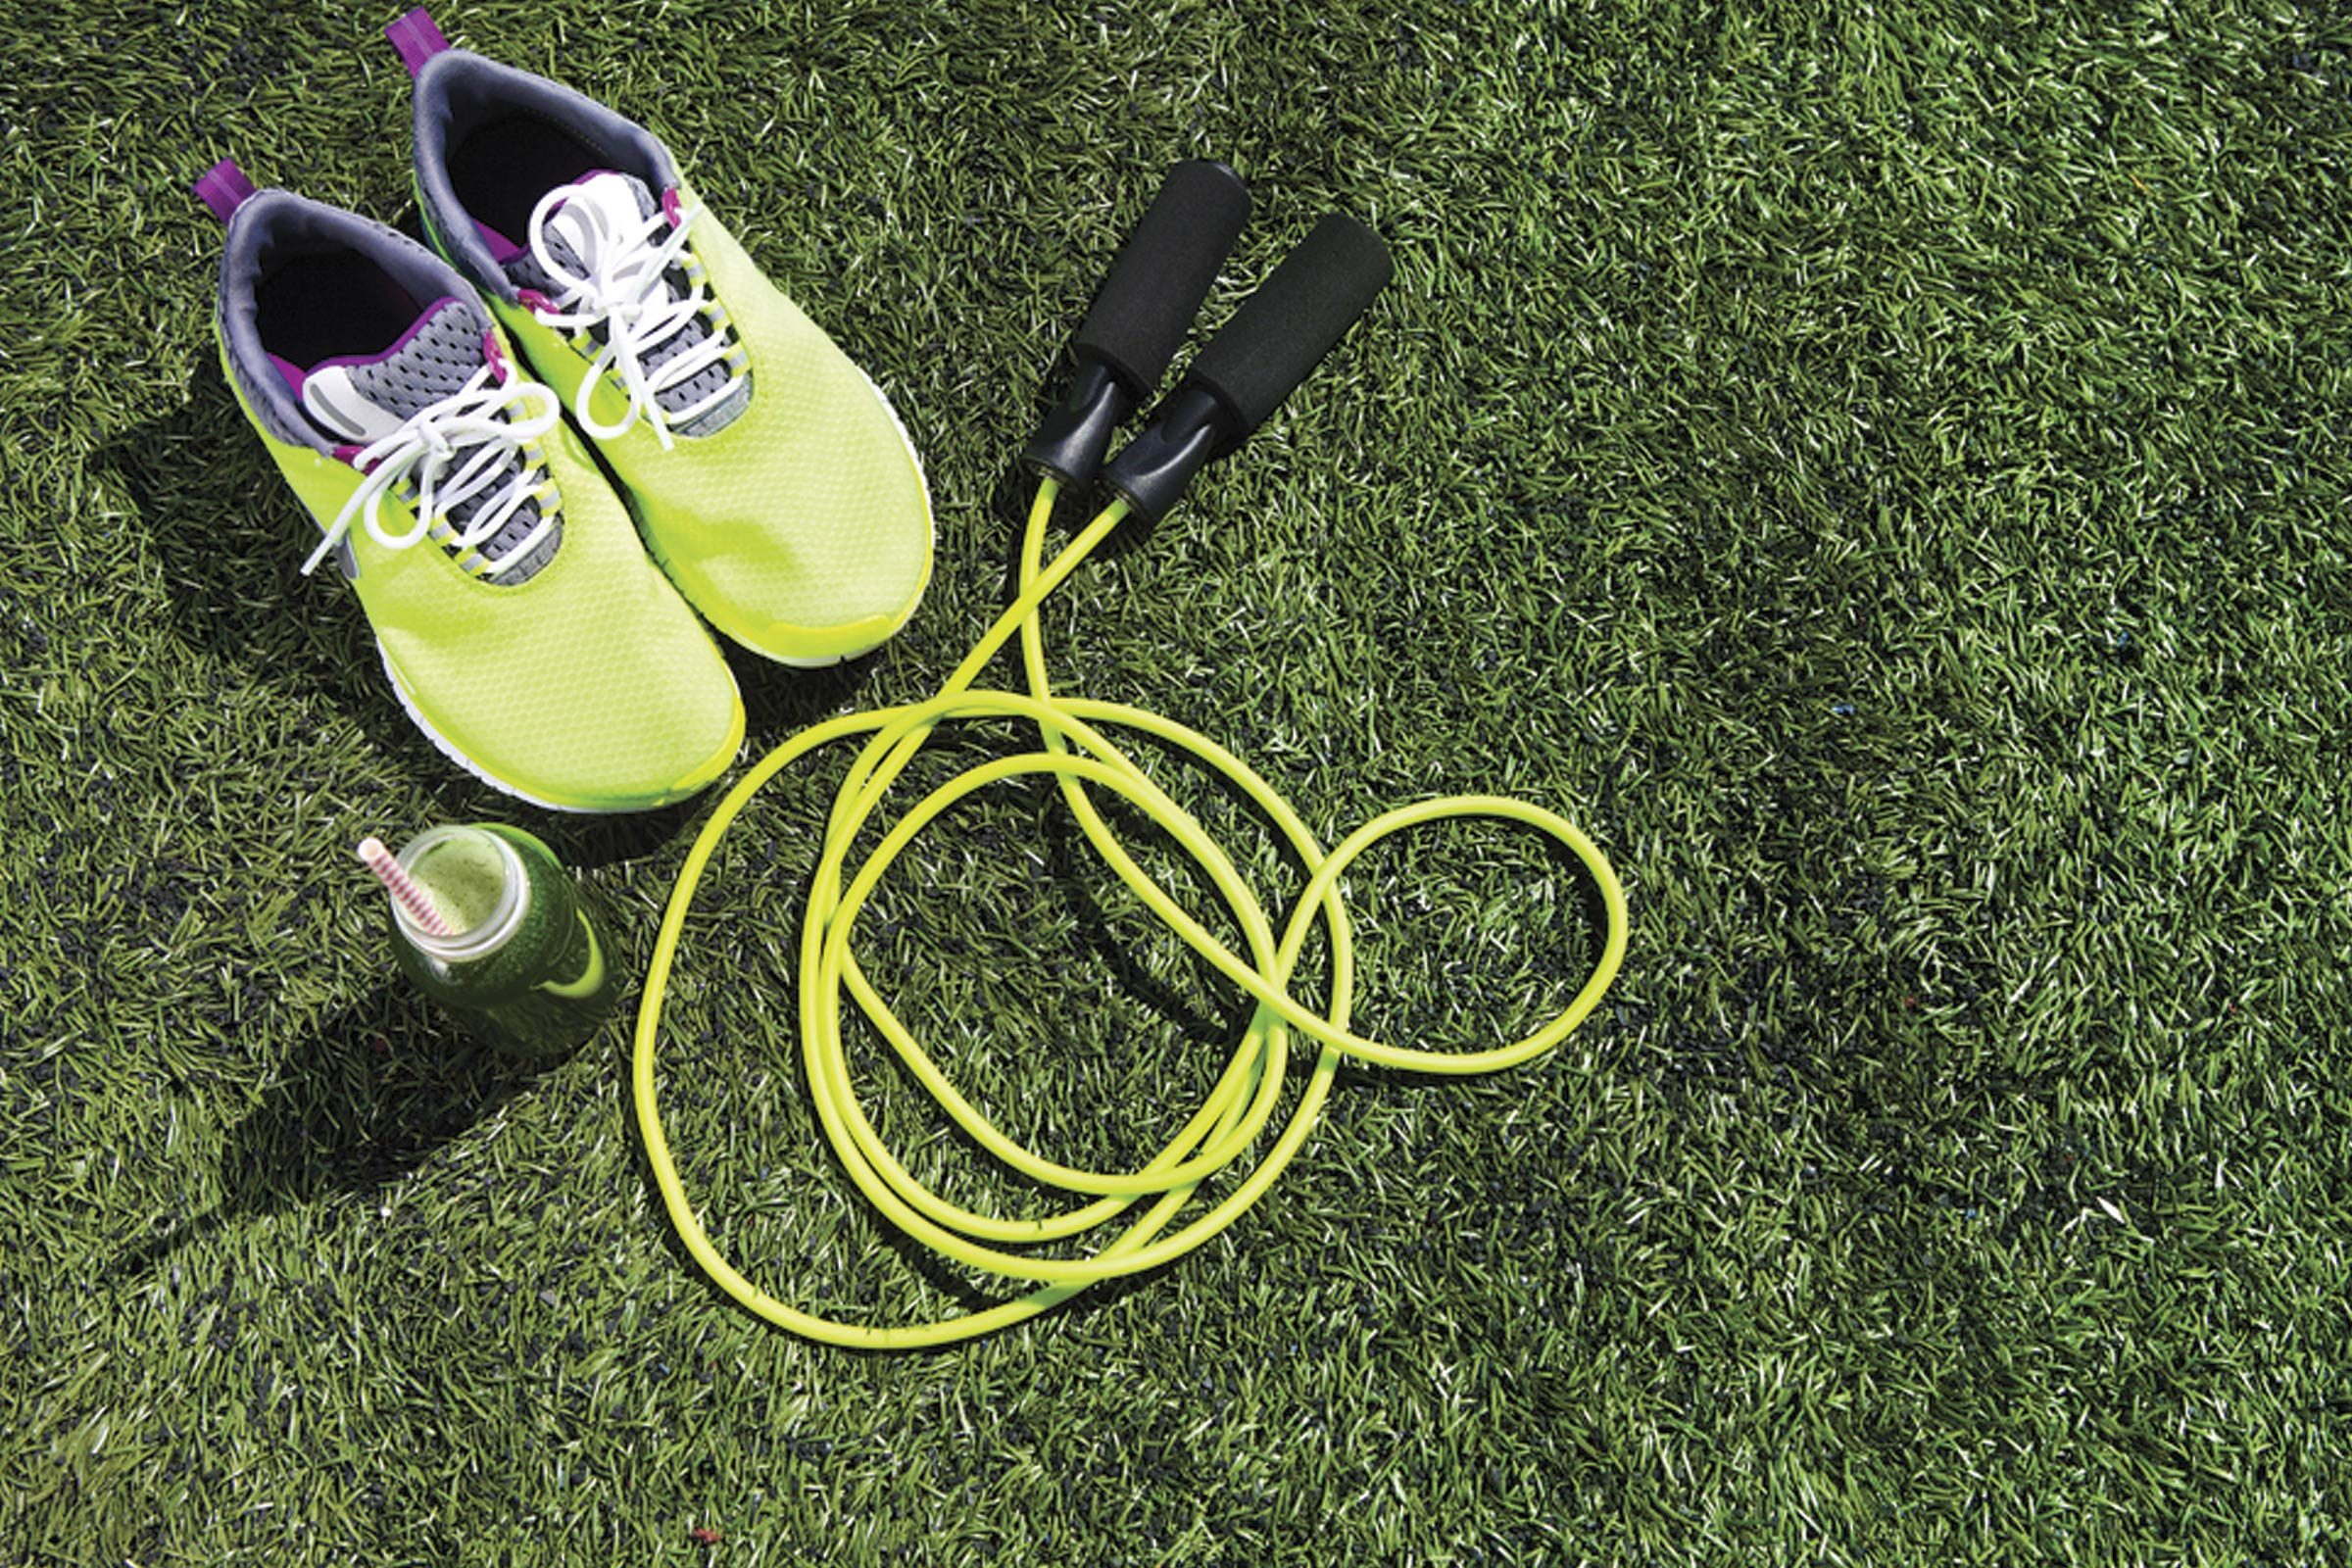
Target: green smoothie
{"type": "Point", "coordinates": [523, 965]}
{"type": "Point", "coordinates": [466, 874]}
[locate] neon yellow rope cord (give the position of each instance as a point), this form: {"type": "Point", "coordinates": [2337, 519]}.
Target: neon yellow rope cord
{"type": "Point", "coordinates": [1229, 1123]}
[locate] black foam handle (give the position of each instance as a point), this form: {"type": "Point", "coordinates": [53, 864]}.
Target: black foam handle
{"type": "Point", "coordinates": [1284, 329]}
{"type": "Point", "coordinates": [1163, 272]}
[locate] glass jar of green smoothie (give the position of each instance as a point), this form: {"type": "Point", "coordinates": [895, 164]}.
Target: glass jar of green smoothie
{"type": "Point", "coordinates": [523, 965]}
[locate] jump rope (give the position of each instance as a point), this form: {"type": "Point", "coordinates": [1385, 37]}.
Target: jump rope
{"type": "Point", "coordinates": [1132, 332]}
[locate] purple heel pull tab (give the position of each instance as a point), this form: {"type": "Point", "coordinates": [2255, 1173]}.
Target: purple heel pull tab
{"type": "Point", "coordinates": [417, 40]}
{"type": "Point", "coordinates": [223, 188]}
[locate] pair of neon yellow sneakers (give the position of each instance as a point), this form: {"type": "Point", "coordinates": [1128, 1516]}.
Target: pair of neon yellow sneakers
{"type": "Point", "coordinates": [416, 403]}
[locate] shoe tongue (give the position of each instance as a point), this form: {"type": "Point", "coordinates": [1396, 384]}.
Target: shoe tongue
{"type": "Point", "coordinates": [603, 204]}
{"type": "Point", "coordinates": [600, 204]}
{"type": "Point", "coordinates": [363, 398]}
{"type": "Point", "coordinates": [618, 203]}
{"type": "Point", "coordinates": [359, 399]}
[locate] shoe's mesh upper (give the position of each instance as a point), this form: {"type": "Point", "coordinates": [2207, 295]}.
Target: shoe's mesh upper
{"type": "Point", "coordinates": [595, 688]}
{"type": "Point", "coordinates": [436, 361]}
{"type": "Point", "coordinates": [802, 530]}
{"type": "Point", "coordinates": [527, 273]}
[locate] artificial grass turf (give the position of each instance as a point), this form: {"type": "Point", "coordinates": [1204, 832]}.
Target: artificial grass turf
{"type": "Point", "coordinates": [1883, 472]}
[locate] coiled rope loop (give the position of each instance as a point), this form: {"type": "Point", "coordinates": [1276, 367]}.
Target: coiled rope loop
{"type": "Point", "coordinates": [1228, 1124]}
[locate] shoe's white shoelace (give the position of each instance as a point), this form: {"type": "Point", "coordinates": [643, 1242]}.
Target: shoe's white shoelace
{"type": "Point", "coordinates": [623, 290]}
{"type": "Point", "coordinates": [422, 449]}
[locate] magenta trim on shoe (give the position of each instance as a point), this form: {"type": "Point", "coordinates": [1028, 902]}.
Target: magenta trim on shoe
{"type": "Point", "coordinates": [417, 40]}
{"type": "Point", "coordinates": [294, 374]}
{"type": "Point", "coordinates": [223, 188]}
{"type": "Point", "coordinates": [672, 208]}
{"type": "Point", "coordinates": [350, 455]}
{"type": "Point", "coordinates": [502, 249]}
{"type": "Point", "coordinates": [531, 299]}
{"type": "Point", "coordinates": [497, 358]}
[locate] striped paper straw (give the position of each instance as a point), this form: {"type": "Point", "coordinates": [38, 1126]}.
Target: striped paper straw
{"type": "Point", "coordinates": [402, 886]}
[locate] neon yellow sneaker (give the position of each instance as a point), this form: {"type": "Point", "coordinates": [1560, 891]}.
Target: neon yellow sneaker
{"type": "Point", "coordinates": [516, 615]}
{"type": "Point", "coordinates": [768, 474]}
